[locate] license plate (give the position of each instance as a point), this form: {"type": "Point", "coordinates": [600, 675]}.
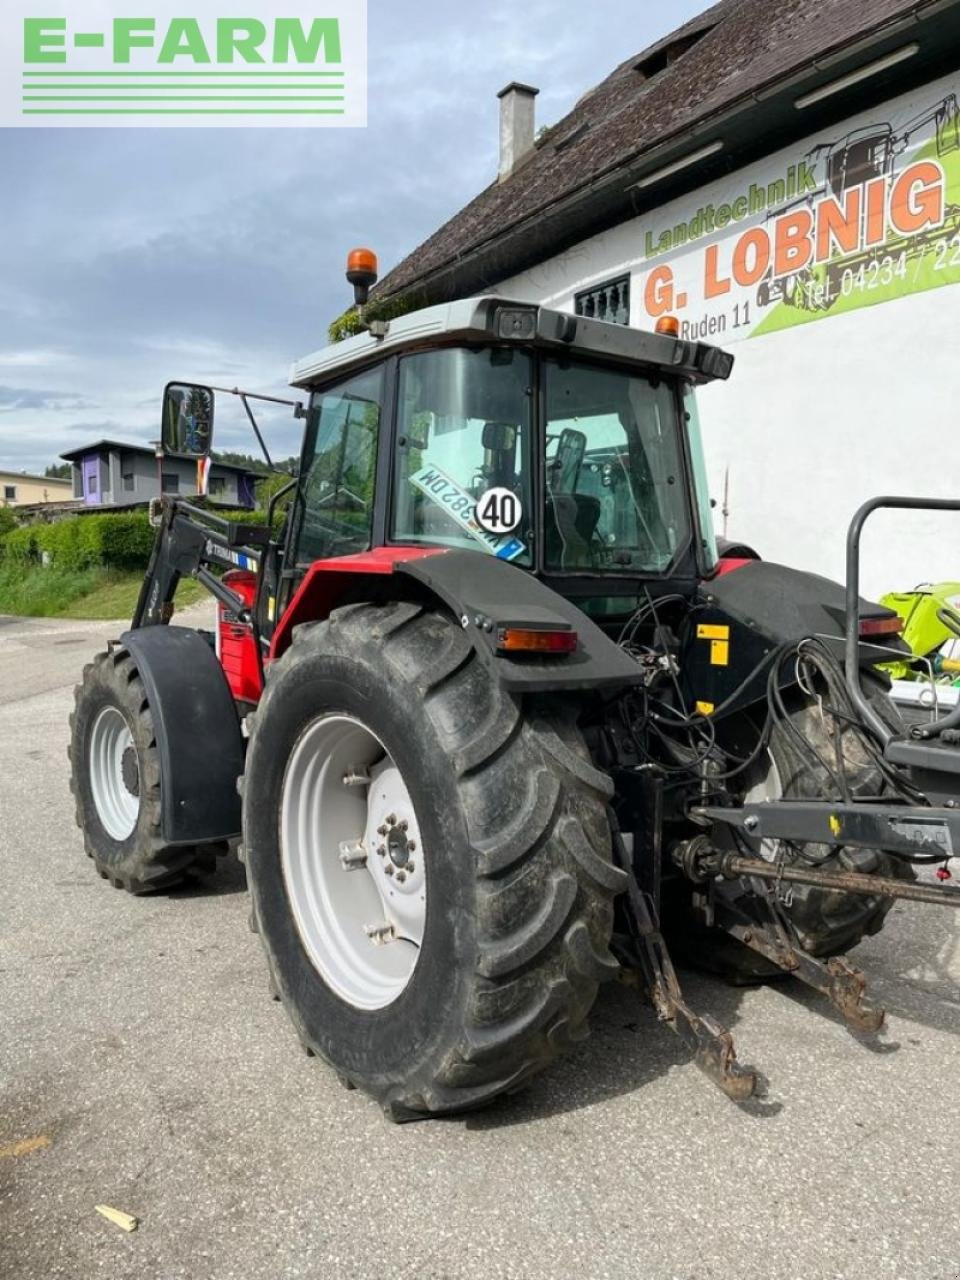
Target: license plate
{"type": "Point", "coordinates": [460, 505]}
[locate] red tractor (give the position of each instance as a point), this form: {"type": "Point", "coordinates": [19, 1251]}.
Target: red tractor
{"type": "Point", "coordinates": [491, 721]}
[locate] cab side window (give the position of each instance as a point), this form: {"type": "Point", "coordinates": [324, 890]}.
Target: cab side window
{"type": "Point", "coordinates": [339, 468]}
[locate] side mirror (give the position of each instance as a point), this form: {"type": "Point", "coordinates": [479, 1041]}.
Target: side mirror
{"type": "Point", "coordinates": [499, 437]}
{"type": "Point", "coordinates": [186, 428]}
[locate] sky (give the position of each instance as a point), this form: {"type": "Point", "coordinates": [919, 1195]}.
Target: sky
{"type": "Point", "coordinates": [129, 258]}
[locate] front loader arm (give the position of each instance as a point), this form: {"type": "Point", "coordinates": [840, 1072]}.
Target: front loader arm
{"type": "Point", "coordinates": [189, 541]}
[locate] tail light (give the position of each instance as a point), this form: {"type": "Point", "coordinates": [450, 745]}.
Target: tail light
{"type": "Point", "coordinates": [872, 627]}
{"type": "Point", "coordinates": [535, 640]}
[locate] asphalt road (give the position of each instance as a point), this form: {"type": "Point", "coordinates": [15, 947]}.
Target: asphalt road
{"type": "Point", "coordinates": [143, 1065]}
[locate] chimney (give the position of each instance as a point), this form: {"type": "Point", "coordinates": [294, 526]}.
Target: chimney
{"type": "Point", "coordinates": [516, 125]}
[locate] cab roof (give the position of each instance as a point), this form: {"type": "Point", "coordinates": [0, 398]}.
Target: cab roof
{"type": "Point", "coordinates": [495, 319]}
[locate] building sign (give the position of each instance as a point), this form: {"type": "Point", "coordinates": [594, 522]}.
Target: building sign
{"type": "Point", "coordinates": [107, 63]}
{"type": "Point", "coordinates": [864, 215]}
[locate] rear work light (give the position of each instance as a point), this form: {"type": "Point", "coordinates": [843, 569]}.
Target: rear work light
{"type": "Point", "coordinates": [881, 626]}
{"type": "Point", "coordinates": [517, 322]}
{"type": "Point", "coordinates": [534, 640]}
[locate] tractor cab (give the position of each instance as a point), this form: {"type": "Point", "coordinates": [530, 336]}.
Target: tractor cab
{"type": "Point", "coordinates": [566, 446]}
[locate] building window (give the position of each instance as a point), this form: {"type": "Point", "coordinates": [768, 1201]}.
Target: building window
{"type": "Point", "coordinates": [169, 482]}
{"type": "Point", "coordinates": [128, 481]}
{"type": "Point", "coordinates": [9, 493]}
{"type": "Point", "coordinates": [218, 486]}
{"type": "Point", "coordinates": [609, 301]}
{"type": "Point", "coordinates": [91, 484]}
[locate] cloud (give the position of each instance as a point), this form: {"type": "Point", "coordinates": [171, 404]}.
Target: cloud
{"type": "Point", "coordinates": [13, 398]}
{"type": "Point", "coordinates": [132, 257]}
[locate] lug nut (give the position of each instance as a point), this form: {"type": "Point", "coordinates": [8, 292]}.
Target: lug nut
{"type": "Point", "coordinates": [382, 850]}
{"type": "Point", "coordinates": [389, 868]}
{"type": "Point", "coordinates": [381, 831]}
{"type": "Point", "coordinates": [401, 876]}
{"type": "Point", "coordinates": [410, 868]}
{"type": "Point", "coordinates": [411, 845]}
{"type": "Point", "coordinates": [391, 819]}
{"type": "Point", "coordinates": [403, 825]}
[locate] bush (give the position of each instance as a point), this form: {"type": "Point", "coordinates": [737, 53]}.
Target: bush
{"type": "Point", "coordinates": [350, 323]}
{"type": "Point", "coordinates": [120, 540]}
{"type": "Point", "coordinates": [8, 520]}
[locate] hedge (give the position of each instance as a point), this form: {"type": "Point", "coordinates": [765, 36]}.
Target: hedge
{"type": "Point", "coordinates": [117, 540]}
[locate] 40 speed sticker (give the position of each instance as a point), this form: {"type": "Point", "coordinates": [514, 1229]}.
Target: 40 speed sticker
{"type": "Point", "coordinates": [461, 506]}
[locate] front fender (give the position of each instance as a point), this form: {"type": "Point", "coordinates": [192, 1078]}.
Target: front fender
{"type": "Point", "coordinates": [197, 730]}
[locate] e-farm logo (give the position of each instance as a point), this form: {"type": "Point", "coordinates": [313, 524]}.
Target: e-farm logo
{"type": "Point", "coordinates": [106, 63]}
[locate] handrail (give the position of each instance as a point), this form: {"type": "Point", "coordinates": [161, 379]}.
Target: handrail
{"type": "Point", "coordinates": [852, 645]}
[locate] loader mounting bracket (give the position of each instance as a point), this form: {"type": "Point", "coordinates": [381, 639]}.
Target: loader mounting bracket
{"type": "Point", "coordinates": [711, 1044]}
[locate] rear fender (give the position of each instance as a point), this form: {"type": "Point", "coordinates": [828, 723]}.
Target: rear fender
{"type": "Point", "coordinates": [197, 730]}
{"type": "Point", "coordinates": [484, 593]}
{"type": "Point", "coordinates": [746, 614]}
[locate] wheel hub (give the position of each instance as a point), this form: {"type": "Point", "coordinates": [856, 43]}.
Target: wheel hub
{"type": "Point", "coordinates": [130, 771]}
{"type": "Point", "coordinates": [398, 846]}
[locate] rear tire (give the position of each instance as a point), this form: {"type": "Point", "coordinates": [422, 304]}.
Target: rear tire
{"type": "Point", "coordinates": [115, 780]}
{"type": "Point", "coordinates": [516, 851]}
{"type": "Point", "coordinates": [830, 923]}
{"type": "Point", "coordinates": [827, 923]}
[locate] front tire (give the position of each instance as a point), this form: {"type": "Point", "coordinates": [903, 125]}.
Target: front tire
{"type": "Point", "coordinates": [115, 780]}
{"type": "Point", "coordinates": [513, 856]}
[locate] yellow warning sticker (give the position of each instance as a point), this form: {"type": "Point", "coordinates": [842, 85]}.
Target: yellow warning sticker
{"type": "Point", "coordinates": [834, 824]}
{"type": "Point", "coordinates": [705, 708]}
{"type": "Point", "coordinates": [712, 631]}
{"type": "Point", "coordinates": [719, 653]}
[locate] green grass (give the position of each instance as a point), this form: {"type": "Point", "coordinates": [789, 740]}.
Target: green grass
{"type": "Point", "coordinates": [69, 593]}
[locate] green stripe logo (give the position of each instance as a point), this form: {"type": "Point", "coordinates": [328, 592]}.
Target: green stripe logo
{"type": "Point", "coordinates": [297, 66]}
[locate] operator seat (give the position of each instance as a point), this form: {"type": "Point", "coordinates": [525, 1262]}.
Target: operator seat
{"type": "Point", "coordinates": [571, 523]}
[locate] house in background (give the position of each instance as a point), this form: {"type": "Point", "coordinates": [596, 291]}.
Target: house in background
{"type": "Point", "coordinates": [112, 473]}
{"type": "Point", "coordinates": [17, 489]}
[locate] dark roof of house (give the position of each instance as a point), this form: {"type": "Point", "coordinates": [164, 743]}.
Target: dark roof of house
{"type": "Point", "coordinates": [733, 55]}
{"type": "Point", "coordinates": [98, 446]}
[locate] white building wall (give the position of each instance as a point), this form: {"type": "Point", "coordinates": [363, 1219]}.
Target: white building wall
{"type": "Point", "coordinates": [856, 399]}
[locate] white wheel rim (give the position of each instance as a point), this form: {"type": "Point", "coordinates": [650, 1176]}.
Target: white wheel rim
{"type": "Point", "coordinates": [114, 773]}
{"type": "Point", "coordinates": [352, 859]}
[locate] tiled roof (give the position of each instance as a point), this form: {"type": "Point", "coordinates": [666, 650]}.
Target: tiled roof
{"type": "Point", "coordinates": [731, 51]}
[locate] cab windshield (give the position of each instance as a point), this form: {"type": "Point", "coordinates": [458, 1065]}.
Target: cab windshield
{"type": "Point", "coordinates": [464, 428]}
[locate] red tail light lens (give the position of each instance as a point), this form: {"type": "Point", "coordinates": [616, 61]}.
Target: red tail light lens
{"type": "Point", "coordinates": [531, 640]}
{"type": "Point", "coordinates": [881, 626]}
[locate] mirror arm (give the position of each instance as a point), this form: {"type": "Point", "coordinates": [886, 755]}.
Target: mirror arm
{"type": "Point", "coordinates": [256, 431]}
